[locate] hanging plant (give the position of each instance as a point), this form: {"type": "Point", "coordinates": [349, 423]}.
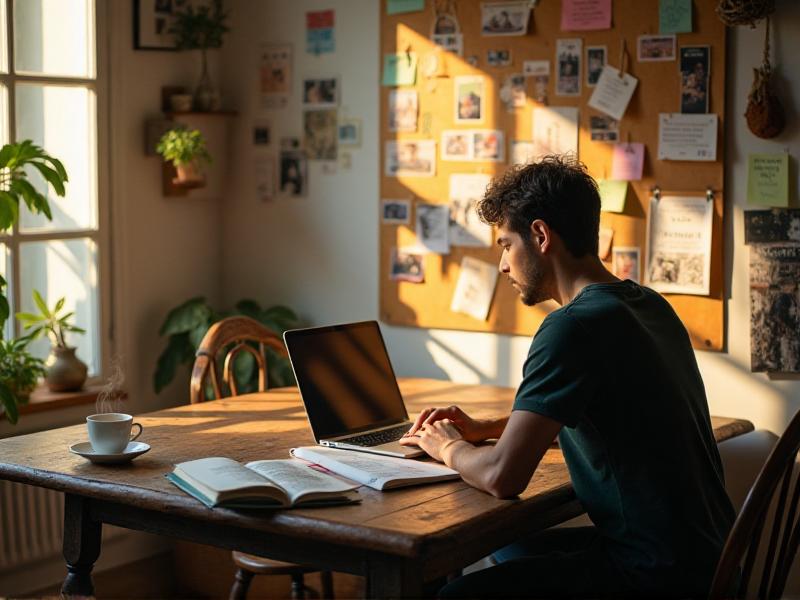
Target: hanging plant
{"type": "Point", "coordinates": [764, 114]}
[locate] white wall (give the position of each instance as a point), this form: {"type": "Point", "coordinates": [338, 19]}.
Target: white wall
{"type": "Point", "coordinates": [319, 254]}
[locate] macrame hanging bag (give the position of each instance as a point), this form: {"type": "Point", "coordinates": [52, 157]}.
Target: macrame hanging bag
{"type": "Point", "coordinates": [764, 114]}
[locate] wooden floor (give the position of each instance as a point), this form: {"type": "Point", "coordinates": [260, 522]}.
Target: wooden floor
{"type": "Point", "coordinates": [194, 571]}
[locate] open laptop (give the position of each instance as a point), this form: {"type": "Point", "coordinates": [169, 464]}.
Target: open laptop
{"type": "Point", "coordinates": [349, 389]}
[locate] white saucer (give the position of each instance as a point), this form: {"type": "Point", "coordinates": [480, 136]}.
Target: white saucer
{"type": "Point", "coordinates": [131, 451]}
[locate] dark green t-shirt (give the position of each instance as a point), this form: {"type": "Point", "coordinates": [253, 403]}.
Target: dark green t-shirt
{"type": "Point", "coordinates": [615, 366]}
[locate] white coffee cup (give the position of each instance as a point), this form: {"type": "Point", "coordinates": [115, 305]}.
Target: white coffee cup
{"type": "Point", "coordinates": [110, 433]}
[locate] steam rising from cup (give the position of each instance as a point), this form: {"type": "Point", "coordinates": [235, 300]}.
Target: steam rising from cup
{"type": "Point", "coordinates": [112, 398]}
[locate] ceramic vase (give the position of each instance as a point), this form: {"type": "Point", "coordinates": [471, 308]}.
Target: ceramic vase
{"type": "Point", "coordinates": [65, 371]}
{"type": "Point", "coordinates": [206, 96]}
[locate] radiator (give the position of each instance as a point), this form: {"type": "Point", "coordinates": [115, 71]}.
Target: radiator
{"type": "Point", "coordinates": [31, 525]}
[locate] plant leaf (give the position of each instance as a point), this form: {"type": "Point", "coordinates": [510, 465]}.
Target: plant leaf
{"type": "Point", "coordinates": [248, 308]}
{"type": "Point", "coordinates": [5, 311]}
{"type": "Point", "coordinates": [9, 401]}
{"type": "Point", "coordinates": [6, 152]}
{"type": "Point", "coordinates": [51, 176]}
{"type": "Point", "coordinates": [9, 210]}
{"type": "Point", "coordinates": [29, 318]}
{"type": "Point", "coordinates": [178, 351]}
{"type": "Point", "coordinates": [41, 304]}
{"type": "Point", "coordinates": [60, 305]}
{"type": "Point", "coordinates": [186, 317]}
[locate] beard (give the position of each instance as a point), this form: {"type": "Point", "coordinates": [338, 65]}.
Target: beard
{"type": "Point", "coordinates": [532, 291]}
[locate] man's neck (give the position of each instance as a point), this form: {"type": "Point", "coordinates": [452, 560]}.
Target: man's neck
{"type": "Point", "coordinates": [573, 274]}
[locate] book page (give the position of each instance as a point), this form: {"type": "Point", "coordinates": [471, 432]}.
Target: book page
{"type": "Point", "coordinates": [221, 474]}
{"type": "Point", "coordinates": [374, 470]}
{"type": "Point", "coordinates": [297, 478]}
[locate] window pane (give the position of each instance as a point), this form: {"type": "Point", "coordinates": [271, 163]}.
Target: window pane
{"type": "Point", "coordinates": [5, 273]}
{"type": "Point", "coordinates": [3, 44]}
{"type": "Point", "coordinates": [4, 137]}
{"type": "Point", "coordinates": [54, 37]}
{"type": "Point", "coordinates": [64, 268]}
{"type": "Point", "coordinates": [62, 120]}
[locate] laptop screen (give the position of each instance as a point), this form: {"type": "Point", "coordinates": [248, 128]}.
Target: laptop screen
{"type": "Point", "coordinates": [345, 378]}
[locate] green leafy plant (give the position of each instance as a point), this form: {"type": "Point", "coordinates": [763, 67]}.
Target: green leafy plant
{"type": "Point", "coordinates": [200, 27]}
{"type": "Point", "coordinates": [49, 321]}
{"type": "Point", "coordinates": [186, 325]}
{"type": "Point", "coordinates": [182, 146]}
{"type": "Point", "coordinates": [19, 374]}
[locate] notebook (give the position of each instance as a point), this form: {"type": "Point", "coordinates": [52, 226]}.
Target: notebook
{"type": "Point", "coordinates": [349, 389]}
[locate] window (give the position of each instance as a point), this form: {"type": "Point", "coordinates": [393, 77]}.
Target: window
{"type": "Point", "coordinates": [49, 93]}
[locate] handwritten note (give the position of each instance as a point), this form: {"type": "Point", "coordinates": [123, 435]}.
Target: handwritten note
{"type": "Point", "coordinates": [585, 15]}
{"type": "Point", "coordinates": [612, 195]}
{"type": "Point", "coordinates": [399, 69]}
{"type": "Point", "coordinates": [627, 162]}
{"type": "Point", "coordinates": [768, 180]}
{"type": "Point", "coordinates": [687, 137]}
{"type": "Point", "coordinates": [613, 92]}
{"type": "Point", "coordinates": [675, 16]}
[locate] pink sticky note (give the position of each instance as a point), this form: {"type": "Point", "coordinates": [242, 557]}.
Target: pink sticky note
{"type": "Point", "coordinates": [627, 162]}
{"type": "Point", "coordinates": [585, 15]}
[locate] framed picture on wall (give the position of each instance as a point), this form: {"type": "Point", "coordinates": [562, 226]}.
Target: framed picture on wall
{"type": "Point", "coordinates": [152, 20]}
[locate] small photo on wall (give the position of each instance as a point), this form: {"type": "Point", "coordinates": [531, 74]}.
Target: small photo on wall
{"type": "Point", "coordinates": [625, 262]}
{"type": "Point", "coordinates": [321, 93]}
{"type": "Point", "coordinates": [568, 67]}
{"type": "Point", "coordinates": [489, 144]}
{"type": "Point", "coordinates": [603, 128]}
{"type": "Point", "coordinates": [407, 265]}
{"type": "Point", "coordinates": [293, 173]}
{"type": "Point", "coordinates": [403, 110]}
{"type": "Point", "coordinates": [395, 211]}
{"type": "Point", "coordinates": [695, 64]}
{"type": "Point", "coordinates": [320, 133]}
{"type": "Point", "coordinates": [655, 48]}
{"type": "Point", "coordinates": [350, 133]}
{"type": "Point", "coordinates": [457, 144]}
{"type": "Point", "coordinates": [410, 158]}
{"type": "Point", "coordinates": [595, 61]}
{"type": "Point", "coordinates": [469, 99]}
{"type": "Point", "coordinates": [505, 18]}
{"type": "Point", "coordinates": [498, 58]}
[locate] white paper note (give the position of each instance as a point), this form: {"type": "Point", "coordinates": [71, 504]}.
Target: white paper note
{"type": "Point", "coordinates": [613, 93]}
{"type": "Point", "coordinates": [475, 288]}
{"type": "Point", "coordinates": [687, 137]}
{"type": "Point", "coordinates": [466, 229]}
{"type": "Point", "coordinates": [555, 130]}
{"type": "Point", "coordinates": [432, 224]}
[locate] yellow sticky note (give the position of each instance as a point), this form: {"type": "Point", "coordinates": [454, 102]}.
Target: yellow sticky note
{"type": "Point", "coordinates": [768, 180]}
{"type": "Point", "coordinates": [612, 195]}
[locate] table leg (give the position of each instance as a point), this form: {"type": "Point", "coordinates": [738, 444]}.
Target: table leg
{"type": "Point", "coordinates": [81, 546]}
{"type": "Point", "coordinates": [394, 578]}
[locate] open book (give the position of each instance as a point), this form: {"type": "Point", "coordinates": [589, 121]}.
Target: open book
{"type": "Point", "coordinates": [218, 481]}
{"type": "Point", "coordinates": [373, 470]}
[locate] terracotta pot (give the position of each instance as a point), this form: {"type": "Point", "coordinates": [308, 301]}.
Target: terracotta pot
{"type": "Point", "coordinates": [188, 173]}
{"type": "Point", "coordinates": [65, 371]}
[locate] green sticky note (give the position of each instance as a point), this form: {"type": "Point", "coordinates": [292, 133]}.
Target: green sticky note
{"type": "Point", "coordinates": [400, 69]}
{"type": "Point", "coordinates": [768, 179]}
{"type": "Point", "coordinates": [612, 194]}
{"type": "Point", "coordinates": [396, 7]}
{"type": "Point", "coordinates": [675, 16]}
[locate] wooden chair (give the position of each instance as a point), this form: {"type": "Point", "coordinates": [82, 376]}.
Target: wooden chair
{"type": "Point", "coordinates": [233, 336]}
{"type": "Point", "coordinates": [735, 566]}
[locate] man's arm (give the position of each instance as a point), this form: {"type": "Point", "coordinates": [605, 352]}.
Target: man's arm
{"type": "Point", "coordinates": [504, 469]}
{"type": "Point", "coordinates": [472, 430]}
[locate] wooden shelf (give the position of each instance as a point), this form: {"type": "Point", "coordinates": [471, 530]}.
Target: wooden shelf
{"type": "Point", "coordinates": [199, 113]}
{"type": "Point", "coordinates": [43, 400]}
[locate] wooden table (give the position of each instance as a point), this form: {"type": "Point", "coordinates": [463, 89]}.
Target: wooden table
{"type": "Point", "coordinates": [398, 539]}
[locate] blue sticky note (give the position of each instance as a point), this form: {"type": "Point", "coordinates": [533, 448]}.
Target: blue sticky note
{"type": "Point", "coordinates": [320, 41]}
{"type": "Point", "coordinates": [400, 69]}
{"type": "Point", "coordinates": [675, 16]}
{"type": "Point", "coordinates": [396, 7]}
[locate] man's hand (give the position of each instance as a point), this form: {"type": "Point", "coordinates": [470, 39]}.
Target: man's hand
{"type": "Point", "coordinates": [434, 437]}
{"type": "Point", "coordinates": [470, 429]}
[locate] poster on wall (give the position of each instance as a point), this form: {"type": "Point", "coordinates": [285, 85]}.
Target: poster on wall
{"type": "Point", "coordinates": [319, 32]}
{"type": "Point", "coordinates": [466, 228]}
{"type": "Point", "coordinates": [275, 75]}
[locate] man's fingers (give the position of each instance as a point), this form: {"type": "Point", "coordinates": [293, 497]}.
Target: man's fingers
{"type": "Point", "coordinates": [409, 440]}
{"type": "Point", "coordinates": [419, 421]}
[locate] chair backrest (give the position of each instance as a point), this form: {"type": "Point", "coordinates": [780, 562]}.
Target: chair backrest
{"type": "Point", "coordinates": [236, 333]}
{"type": "Point", "coordinates": [738, 558]}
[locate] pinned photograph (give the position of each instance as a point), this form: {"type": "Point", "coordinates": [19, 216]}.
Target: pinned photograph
{"type": "Point", "coordinates": [293, 173]}
{"type": "Point", "coordinates": [446, 24]}
{"type": "Point", "coordinates": [466, 228]}
{"type": "Point", "coordinates": [407, 265]}
{"type": "Point", "coordinates": [489, 144]}
{"type": "Point", "coordinates": [450, 42]}
{"type": "Point", "coordinates": [695, 63]}
{"type": "Point", "coordinates": [275, 75]}
{"type": "Point", "coordinates": [457, 144]}
{"type": "Point", "coordinates": [498, 58]}
{"type": "Point", "coordinates": [603, 128]}
{"type": "Point", "coordinates": [410, 158]}
{"type": "Point", "coordinates": [539, 71]}
{"type": "Point", "coordinates": [320, 93]}
{"type": "Point", "coordinates": [625, 263]}
{"type": "Point", "coordinates": [395, 211]}
{"type": "Point", "coordinates": [655, 48]}
{"type": "Point", "coordinates": [474, 288]}
{"type": "Point", "coordinates": [320, 133]}
{"type": "Point", "coordinates": [403, 110]}
{"type": "Point", "coordinates": [595, 61]}
{"type": "Point", "coordinates": [505, 18]}
{"type": "Point", "coordinates": [469, 98]}
{"type": "Point", "coordinates": [350, 133]}
{"type": "Point", "coordinates": [568, 67]}
{"type": "Point", "coordinates": [522, 152]}
{"type": "Point", "coordinates": [432, 223]}
{"type": "Point", "coordinates": [513, 93]}
{"type": "Point", "coordinates": [264, 171]}
{"type": "Point", "coordinates": [261, 133]}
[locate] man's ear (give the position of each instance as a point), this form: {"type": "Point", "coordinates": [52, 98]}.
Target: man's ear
{"type": "Point", "coordinates": [541, 235]}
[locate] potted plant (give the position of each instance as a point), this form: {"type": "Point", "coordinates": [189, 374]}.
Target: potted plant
{"type": "Point", "coordinates": [65, 371]}
{"type": "Point", "coordinates": [201, 28]}
{"type": "Point", "coordinates": [186, 150]}
{"type": "Point", "coordinates": [19, 372]}
{"type": "Point", "coordinates": [186, 325]}
{"type": "Point", "coordinates": [15, 161]}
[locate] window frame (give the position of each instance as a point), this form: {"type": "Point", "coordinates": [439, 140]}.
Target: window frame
{"type": "Point", "coordinates": [98, 84]}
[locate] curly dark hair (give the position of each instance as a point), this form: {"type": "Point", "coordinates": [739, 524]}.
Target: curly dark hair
{"type": "Point", "coordinates": [557, 190]}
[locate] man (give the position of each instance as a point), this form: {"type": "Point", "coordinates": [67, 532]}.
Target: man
{"type": "Point", "coordinates": [612, 373]}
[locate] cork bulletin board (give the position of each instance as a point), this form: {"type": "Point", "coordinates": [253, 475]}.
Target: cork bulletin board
{"type": "Point", "coordinates": [428, 304]}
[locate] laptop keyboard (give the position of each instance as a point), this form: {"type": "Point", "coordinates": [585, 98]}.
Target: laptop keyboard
{"type": "Point", "coordinates": [376, 438]}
